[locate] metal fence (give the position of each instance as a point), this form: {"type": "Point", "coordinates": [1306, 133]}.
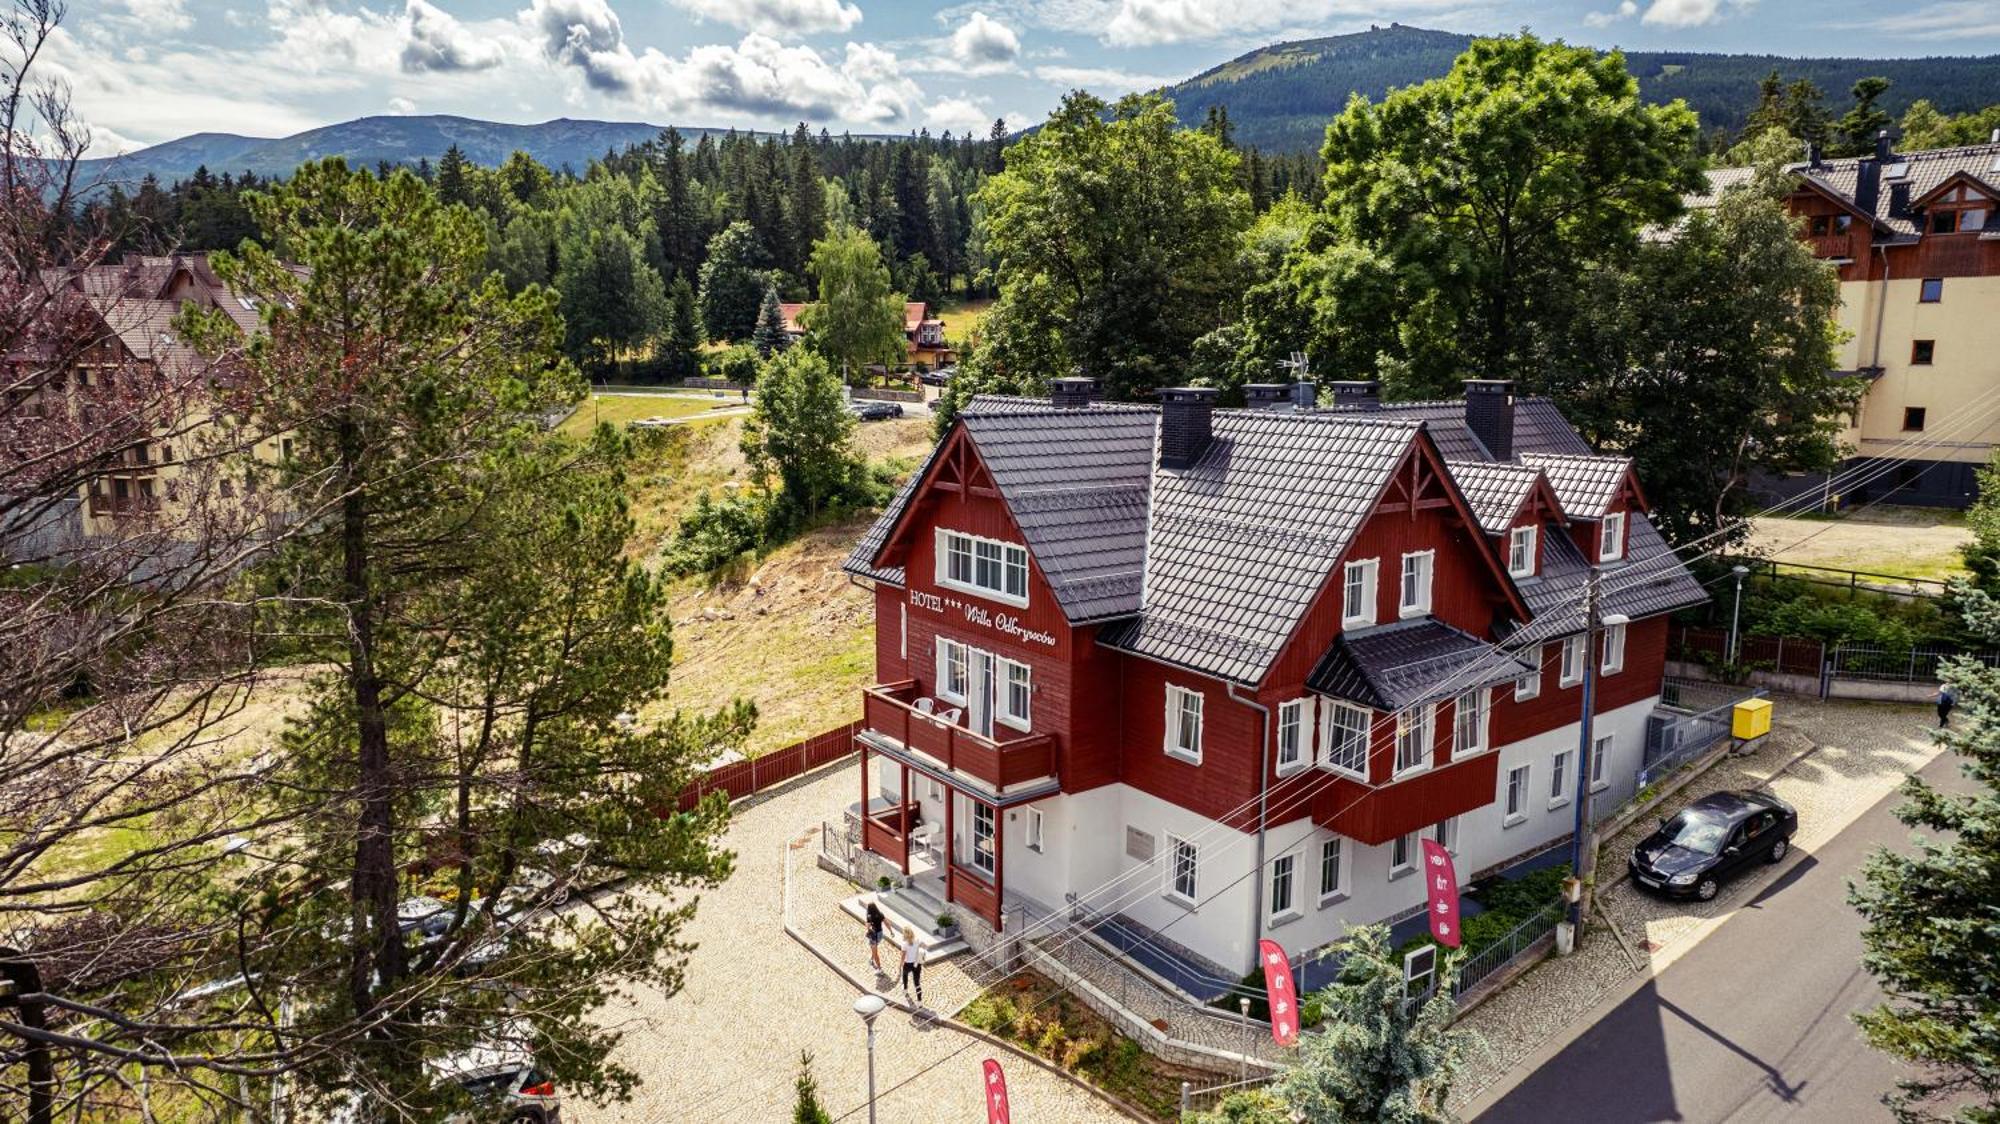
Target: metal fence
{"type": "Point", "coordinates": [1854, 581]}
{"type": "Point", "coordinates": [1672, 740]}
{"type": "Point", "coordinates": [1208, 1099]}
{"type": "Point", "coordinates": [1918, 664]}
{"type": "Point", "coordinates": [1496, 954]}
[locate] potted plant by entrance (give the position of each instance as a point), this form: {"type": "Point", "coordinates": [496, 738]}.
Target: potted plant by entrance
{"type": "Point", "coordinates": [947, 926]}
{"type": "Point", "coordinates": [885, 883]}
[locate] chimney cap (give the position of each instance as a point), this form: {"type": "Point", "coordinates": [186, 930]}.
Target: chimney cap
{"type": "Point", "coordinates": [1188, 394]}
{"type": "Point", "coordinates": [1264, 393]}
{"type": "Point", "coordinates": [1489, 386]}
{"type": "Point", "coordinates": [1074, 382]}
{"type": "Point", "coordinates": [1882, 146]}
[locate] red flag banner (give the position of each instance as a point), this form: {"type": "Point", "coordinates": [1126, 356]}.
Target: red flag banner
{"type": "Point", "coordinates": [1280, 993]}
{"type": "Point", "coordinates": [996, 1093]}
{"type": "Point", "coordinates": [1441, 885]}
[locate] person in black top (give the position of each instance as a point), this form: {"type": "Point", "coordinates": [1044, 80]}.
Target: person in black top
{"type": "Point", "coordinates": [875, 922]}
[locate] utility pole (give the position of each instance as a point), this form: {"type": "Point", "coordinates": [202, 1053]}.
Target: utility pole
{"type": "Point", "coordinates": [1580, 851]}
{"type": "Point", "coordinates": [21, 987]}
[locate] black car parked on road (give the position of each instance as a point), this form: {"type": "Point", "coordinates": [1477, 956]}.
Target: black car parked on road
{"type": "Point", "coordinates": [1711, 839]}
{"type": "Point", "coordinates": [877, 411]}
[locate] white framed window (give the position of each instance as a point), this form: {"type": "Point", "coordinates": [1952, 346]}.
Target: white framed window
{"type": "Point", "coordinates": [1419, 968]}
{"type": "Point", "coordinates": [984, 566]}
{"type": "Point", "coordinates": [1572, 661]}
{"type": "Point", "coordinates": [1597, 756]}
{"type": "Point", "coordinates": [1183, 869]}
{"type": "Point", "coordinates": [1184, 724]}
{"type": "Point", "coordinates": [1614, 648]}
{"type": "Point", "coordinates": [1282, 900]}
{"type": "Point", "coordinates": [1403, 855]}
{"type": "Point", "coordinates": [1468, 728]}
{"type": "Point", "coordinates": [1346, 740]}
{"type": "Point", "coordinates": [1293, 727]}
{"type": "Point", "coordinates": [1517, 795]}
{"type": "Point", "coordinates": [1611, 537]}
{"type": "Point", "coordinates": [982, 837]}
{"type": "Point", "coordinates": [1032, 831]}
{"type": "Point", "coordinates": [1413, 739]}
{"type": "Point", "coordinates": [1559, 772]}
{"type": "Point", "coordinates": [1521, 543]}
{"type": "Point", "coordinates": [1530, 685]}
{"type": "Point", "coordinates": [953, 673]}
{"type": "Point", "coordinates": [1445, 831]}
{"type": "Point", "coordinates": [936, 789]}
{"type": "Point", "coordinates": [1357, 593]}
{"type": "Point", "coordinates": [1016, 696]}
{"type": "Point", "coordinates": [1332, 870]}
{"type": "Point", "coordinates": [1416, 587]}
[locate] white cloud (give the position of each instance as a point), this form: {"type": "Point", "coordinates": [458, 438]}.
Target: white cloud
{"type": "Point", "coordinates": [159, 15]}
{"type": "Point", "coordinates": [1624, 11]}
{"type": "Point", "coordinates": [436, 41]}
{"type": "Point", "coordinates": [777, 17]}
{"type": "Point", "coordinates": [313, 36]}
{"type": "Point", "coordinates": [959, 114]}
{"type": "Point", "coordinates": [402, 107]}
{"type": "Point", "coordinates": [1951, 20]}
{"type": "Point", "coordinates": [1101, 80]}
{"type": "Point", "coordinates": [1145, 23]}
{"type": "Point", "coordinates": [1682, 13]}
{"type": "Point", "coordinates": [984, 45]}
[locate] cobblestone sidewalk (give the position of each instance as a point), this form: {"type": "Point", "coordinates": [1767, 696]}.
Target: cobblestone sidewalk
{"type": "Point", "coordinates": [1860, 753]}
{"type": "Point", "coordinates": [726, 1047]}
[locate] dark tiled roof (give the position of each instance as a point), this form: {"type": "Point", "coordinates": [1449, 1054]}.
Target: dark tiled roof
{"type": "Point", "coordinates": [1400, 665]}
{"type": "Point", "coordinates": [1076, 483]}
{"type": "Point", "coordinates": [1495, 490]}
{"type": "Point", "coordinates": [1241, 541]}
{"type": "Point", "coordinates": [1584, 485]}
{"type": "Point", "coordinates": [1538, 427]}
{"type": "Point", "coordinates": [1652, 580]}
{"type": "Point", "coordinates": [1924, 171]}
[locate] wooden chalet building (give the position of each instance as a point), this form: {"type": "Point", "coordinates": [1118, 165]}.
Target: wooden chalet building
{"type": "Point", "coordinates": [1168, 645]}
{"type": "Point", "coordinates": [1915, 238]}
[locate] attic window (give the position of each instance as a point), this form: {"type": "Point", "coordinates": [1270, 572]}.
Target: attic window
{"type": "Point", "coordinates": [1897, 171]}
{"type": "Point", "coordinates": [249, 303]}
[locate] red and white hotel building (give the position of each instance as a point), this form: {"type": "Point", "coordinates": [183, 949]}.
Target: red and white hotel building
{"type": "Point", "coordinates": [1172, 642]}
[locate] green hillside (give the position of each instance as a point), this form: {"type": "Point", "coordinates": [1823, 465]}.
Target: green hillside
{"type": "Point", "coordinates": [1280, 97]}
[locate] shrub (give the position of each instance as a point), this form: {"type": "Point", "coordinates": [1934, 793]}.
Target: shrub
{"type": "Point", "coordinates": [737, 363]}
{"type": "Point", "coordinates": [1050, 1044]}
{"type": "Point", "coordinates": [715, 532]}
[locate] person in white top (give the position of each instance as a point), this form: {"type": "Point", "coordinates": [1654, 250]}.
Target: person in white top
{"type": "Point", "coordinates": [913, 964]}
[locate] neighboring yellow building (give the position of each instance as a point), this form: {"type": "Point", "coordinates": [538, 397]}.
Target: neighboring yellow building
{"type": "Point", "coordinates": [1916, 238]}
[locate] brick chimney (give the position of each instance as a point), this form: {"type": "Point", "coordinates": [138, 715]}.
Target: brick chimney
{"type": "Point", "coordinates": [1264, 395]}
{"type": "Point", "coordinates": [1187, 423]}
{"type": "Point", "coordinates": [1365, 394]}
{"type": "Point", "coordinates": [1489, 414]}
{"type": "Point", "coordinates": [1072, 393]}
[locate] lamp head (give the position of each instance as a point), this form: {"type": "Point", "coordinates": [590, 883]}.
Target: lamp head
{"type": "Point", "coordinates": [1739, 571]}
{"type": "Point", "coordinates": [869, 1006]}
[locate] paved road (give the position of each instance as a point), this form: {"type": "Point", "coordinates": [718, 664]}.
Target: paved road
{"type": "Point", "coordinates": [1751, 1023]}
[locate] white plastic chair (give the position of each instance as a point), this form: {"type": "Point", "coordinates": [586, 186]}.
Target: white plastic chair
{"type": "Point", "coordinates": [926, 705]}
{"type": "Point", "coordinates": [949, 717]}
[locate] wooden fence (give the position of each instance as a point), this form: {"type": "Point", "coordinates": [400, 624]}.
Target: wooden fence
{"type": "Point", "coordinates": [743, 778]}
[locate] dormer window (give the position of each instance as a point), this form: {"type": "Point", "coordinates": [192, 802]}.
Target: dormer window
{"type": "Point", "coordinates": [984, 566]}
{"type": "Point", "coordinates": [1611, 537]}
{"type": "Point", "coordinates": [1521, 543]}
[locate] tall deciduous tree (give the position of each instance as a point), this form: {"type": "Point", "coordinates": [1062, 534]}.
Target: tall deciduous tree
{"type": "Point", "coordinates": [798, 431]}
{"type": "Point", "coordinates": [1928, 938]}
{"type": "Point", "coordinates": [858, 318]}
{"type": "Point", "coordinates": [460, 581]}
{"type": "Point", "coordinates": [1375, 1060]}
{"type": "Point", "coordinates": [1492, 193]}
{"type": "Point", "coordinates": [1113, 233]}
{"type": "Point", "coordinates": [732, 283]}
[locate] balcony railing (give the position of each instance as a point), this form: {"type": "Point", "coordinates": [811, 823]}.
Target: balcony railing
{"type": "Point", "coordinates": [890, 710]}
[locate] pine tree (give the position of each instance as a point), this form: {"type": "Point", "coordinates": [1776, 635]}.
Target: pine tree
{"type": "Point", "coordinates": [1928, 938]}
{"type": "Point", "coordinates": [1860, 125]}
{"type": "Point", "coordinates": [770, 336]}
{"type": "Point", "coordinates": [1376, 1059]}
{"type": "Point", "coordinates": [681, 346]}
{"type": "Point", "coordinates": [454, 175]}
{"type": "Point", "coordinates": [808, 1110]}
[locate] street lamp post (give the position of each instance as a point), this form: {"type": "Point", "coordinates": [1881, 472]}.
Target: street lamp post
{"type": "Point", "coordinates": [869, 1006]}
{"type": "Point", "coordinates": [1736, 610]}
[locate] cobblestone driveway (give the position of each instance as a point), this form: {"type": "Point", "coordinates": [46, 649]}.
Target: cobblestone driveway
{"type": "Point", "coordinates": [1861, 753]}
{"type": "Point", "coordinates": [726, 1047]}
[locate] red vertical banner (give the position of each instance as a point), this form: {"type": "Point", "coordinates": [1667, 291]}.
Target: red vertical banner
{"type": "Point", "coordinates": [1279, 993]}
{"type": "Point", "coordinates": [1441, 886]}
{"type": "Point", "coordinates": [996, 1093]}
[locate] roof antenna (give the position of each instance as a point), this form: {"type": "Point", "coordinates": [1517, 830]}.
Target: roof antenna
{"type": "Point", "coordinates": [1300, 365]}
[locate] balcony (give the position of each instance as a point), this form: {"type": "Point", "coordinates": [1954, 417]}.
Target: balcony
{"type": "Point", "coordinates": [1376, 815]}
{"type": "Point", "coordinates": [891, 713]}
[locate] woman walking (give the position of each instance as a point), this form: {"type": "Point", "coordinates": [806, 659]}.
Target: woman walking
{"type": "Point", "coordinates": [876, 922]}
{"type": "Point", "coordinates": [913, 964]}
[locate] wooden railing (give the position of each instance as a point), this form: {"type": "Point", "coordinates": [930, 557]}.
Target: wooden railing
{"type": "Point", "coordinates": [975, 891]}
{"type": "Point", "coordinates": [883, 832]}
{"type": "Point", "coordinates": [888, 709]}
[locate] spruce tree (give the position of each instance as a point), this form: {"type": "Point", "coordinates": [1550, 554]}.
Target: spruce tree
{"type": "Point", "coordinates": [1929, 938]}
{"type": "Point", "coordinates": [770, 336]}
{"type": "Point", "coordinates": [683, 337]}
{"type": "Point", "coordinates": [454, 177]}
{"type": "Point", "coordinates": [808, 1110]}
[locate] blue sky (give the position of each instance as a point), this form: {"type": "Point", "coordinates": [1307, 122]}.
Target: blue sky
{"type": "Point", "coordinates": [144, 71]}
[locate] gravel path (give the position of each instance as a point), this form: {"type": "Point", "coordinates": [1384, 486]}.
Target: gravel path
{"type": "Point", "coordinates": [726, 1047]}
{"type": "Point", "coordinates": [1861, 752]}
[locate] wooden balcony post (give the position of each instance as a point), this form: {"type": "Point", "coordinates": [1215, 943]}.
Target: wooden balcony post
{"type": "Point", "coordinates": [999, 864]}
{"type": "Point", "coordinates": [950, 849]}
{"type": "Point", "coordinates": [903, 819]}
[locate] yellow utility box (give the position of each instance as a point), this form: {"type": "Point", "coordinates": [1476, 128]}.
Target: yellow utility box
{"type": "Point", "coordinates": [1751, 719]}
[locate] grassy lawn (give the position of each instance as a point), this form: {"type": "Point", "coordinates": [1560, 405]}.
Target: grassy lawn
{"type": "Point", "coordinates": [1907, 542]}
{"type": "Point", "coordinates": [962, 318]}
{"type": "Point", "coordinates": [623, 409]}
